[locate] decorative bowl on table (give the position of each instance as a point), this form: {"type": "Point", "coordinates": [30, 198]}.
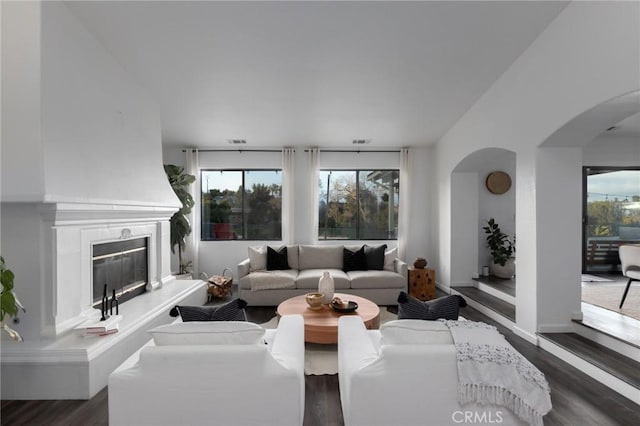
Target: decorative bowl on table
{"type": "Point", "coordinates": [314, 300]}
{"type": "Point", "coordinates": [343, 306]}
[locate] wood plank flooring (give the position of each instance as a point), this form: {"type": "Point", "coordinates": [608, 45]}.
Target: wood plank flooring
{"type": "Point", "coordinates": [618, 365]}
{"type": "Point", "coordinates": [577, 399]}
{"type": "Point", "coordinates": [505, 309]}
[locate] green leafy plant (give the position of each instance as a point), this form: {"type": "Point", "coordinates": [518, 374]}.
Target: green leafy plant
{"type": "Point", "coordinates": [180, 226]}
{"type": "Point", "coordinates": [502, 248]}
{"type": "Point", "coordinates": [220, 212]}
{"type": "Point", "coordinates": [9, 303]}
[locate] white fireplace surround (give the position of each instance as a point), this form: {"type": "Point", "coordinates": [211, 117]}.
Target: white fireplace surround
{"type": "Point", "coordinates": [54, 362]}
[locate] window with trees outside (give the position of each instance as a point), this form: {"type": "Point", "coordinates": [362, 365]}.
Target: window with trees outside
{"type": "Point", "coordinates": [241, 205]}
{"type": "Point", "coordinates": [358, 204]}
{"type": "Point", "coordinates": [611, 215]}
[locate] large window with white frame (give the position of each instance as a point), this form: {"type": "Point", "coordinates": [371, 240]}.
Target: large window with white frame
{"type": "Point", "coordinates": [358, 204]}
{"type": "Point", "coordinates": [241, 204]}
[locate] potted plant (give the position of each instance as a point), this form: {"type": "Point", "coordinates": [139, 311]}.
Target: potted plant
{"type": "Point", "coordinates": [502, 249]}
{"type": "Point", "coordinates": [180, 226]}
{"type": "Point", "coordinates": [9, 303]}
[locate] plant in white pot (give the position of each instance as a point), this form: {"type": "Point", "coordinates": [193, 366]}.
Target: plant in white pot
{"type": "Point", "coordinates": [180, 226]}
{"type": "Point", "coordinates": [502, 250]}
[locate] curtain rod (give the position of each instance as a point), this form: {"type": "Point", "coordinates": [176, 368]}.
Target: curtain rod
{"type": "Point", "coordinates": [236, 150]}
{"type": "Point", "coordinates": [357, 151]}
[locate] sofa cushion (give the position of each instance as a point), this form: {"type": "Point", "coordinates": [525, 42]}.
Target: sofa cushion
{"type": "Point", "coordinates": [208, 333]}
{"type": "Point", "coordinates": [317, 257]}
{"type": "Point", "coordinates": [287, 276]}
{"type": "Point", "coordinates": [257, 258]}
{"type": "Point", "coordinates": [292, 256]}
{"type": "Point", "coordinates": [446, 307]}
{"type": "Point", "coordinates": [375, 256]}
{"type": "Point", "coordinates": [277, 259]}
{"type": "Point", "coordinates": [230, 311]}
{"type": "Point", "coordinates": [354, 260]}
{"type": "Point", "coordinates": [390, 259]}
{"type": "Point", "coordinates": [309, 278]}
{"type": "Point", "coordinates": [415, 332]}
{"type": "Point", "coordinates": [376, 279]}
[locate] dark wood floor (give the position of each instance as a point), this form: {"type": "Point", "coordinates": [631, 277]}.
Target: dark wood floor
{"type": "Point", "coordinates": [577, 399]}
{"type": "Point", "coordinates": [615, 363]}
{"type": "Point", "coordinates": [505, 309]}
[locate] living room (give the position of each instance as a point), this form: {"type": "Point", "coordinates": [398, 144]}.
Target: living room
{"type": "Point", "coordinates": [97, 96]}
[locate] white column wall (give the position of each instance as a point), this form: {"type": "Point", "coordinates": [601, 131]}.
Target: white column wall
{"type": "Point", "coordinates": [566, 71]}
{"type": "Point", "coordinates": [464, 214]}
{"type": "Point", "coordinates": [559, 231]}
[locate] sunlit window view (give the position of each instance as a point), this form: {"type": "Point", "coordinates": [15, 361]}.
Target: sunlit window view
{"type": "Point", "coordinates": [612, 206]}
{"type": "Point", "coordinates": [241, 205]}
{"type": "Point", "coordinates": [358, 204]}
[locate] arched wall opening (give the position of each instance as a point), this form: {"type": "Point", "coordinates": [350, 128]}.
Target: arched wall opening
{"type": "Point", "coordinates": [472, 204]}
{"type": "Point", "coordinates": [559, 162]}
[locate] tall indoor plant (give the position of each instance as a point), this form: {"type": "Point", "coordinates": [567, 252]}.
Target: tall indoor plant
{"type": "Point", "coordinates": [502, 249]}
{"type": "Point", "coordinates": [180, 226]}
{"type": "Point", "coordinates": [9, 303]}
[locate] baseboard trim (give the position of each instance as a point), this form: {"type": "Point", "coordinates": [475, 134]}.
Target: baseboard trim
{"type": "Point", "coordinates": [529, 337]}
{"type": "Point", "coordinates": [556, 328]}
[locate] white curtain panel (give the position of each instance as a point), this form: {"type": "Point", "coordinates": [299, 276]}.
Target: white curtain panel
{"type": "Point", "coordinates": [405, 202]}
{"type": "Point", "coordinates": [193, 168]}
{"type": "Point", "coordinates": [288, 190]}
{"type": "Point", "coordinates": [314, 190]}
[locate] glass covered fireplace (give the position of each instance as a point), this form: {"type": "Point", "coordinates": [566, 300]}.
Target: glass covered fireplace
{"type": "Point", "coordinates": [121, 266]}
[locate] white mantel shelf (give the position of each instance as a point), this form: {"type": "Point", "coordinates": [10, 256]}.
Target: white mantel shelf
{"type": "Point", "coordinates": [74, 367]}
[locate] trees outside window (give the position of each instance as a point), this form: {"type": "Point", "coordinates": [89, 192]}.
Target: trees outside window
{"type": "Point", "coordinates": [358, 204]}
{"type": "Point", "coordinates": [229, 211]}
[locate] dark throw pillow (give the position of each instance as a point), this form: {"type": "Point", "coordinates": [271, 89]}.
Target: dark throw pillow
{"type": "Point", "coordinates": [375, 256]}
{"type": "Point", "coordinates": [277, 260]}
{"type": "Point", "coordinates": [354, 260]}
{"type": "Point", "coordinates": [231, 311]}
{"type": "Point", "coordinates": [446, 307]}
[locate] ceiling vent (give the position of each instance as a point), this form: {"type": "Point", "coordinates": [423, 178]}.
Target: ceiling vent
{"type": "Point", "coordinates": [237, 141]}
{"type": "Point", "coordinates": [361, 141]}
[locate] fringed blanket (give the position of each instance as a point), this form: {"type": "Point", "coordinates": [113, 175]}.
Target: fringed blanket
{"type": "Point", "coordinates": [491, 371]}
{"type": "Point", "coordinates": [264, 280]}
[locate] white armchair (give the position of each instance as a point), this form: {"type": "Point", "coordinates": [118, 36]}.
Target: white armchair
{"type": "Point", "coordinates": [630, 262]}
{"type": "Point", "coordinates": [404, 384]}
{"type": "Point", "coordinates": [225, 384]}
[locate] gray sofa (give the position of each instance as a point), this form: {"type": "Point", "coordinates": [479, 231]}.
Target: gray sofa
{"type": "Point", "coordinates": [307, 262]}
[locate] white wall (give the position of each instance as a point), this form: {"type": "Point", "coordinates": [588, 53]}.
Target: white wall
{"type": "Point", "coordinates": [464, 235]}
{"type": "Point", "coordinates": [612, 151]}
{"type": "Point", "coordinates": [99, 135]}
{"type": "Point", "coordinates": [565, 71]}
{"type": "Point", "coordinates": [214, 256]}
{"type": "Point", "coordinates": [22, 163]}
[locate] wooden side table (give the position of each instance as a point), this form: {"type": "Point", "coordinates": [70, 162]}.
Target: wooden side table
{"type": "Point", "coordinates": [422, 283]}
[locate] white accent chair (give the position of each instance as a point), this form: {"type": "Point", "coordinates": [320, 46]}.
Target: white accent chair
{"type": "Point", "coordinates": [223, 384]}
{"type": "Point", "coordinates": [404, 384]}
{"type": "Point", "coordinates": [630, 261]}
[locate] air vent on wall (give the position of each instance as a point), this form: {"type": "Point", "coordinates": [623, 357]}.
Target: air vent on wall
{"type": "Point", "coordinates": [237, 141]}
{"type": "Point", "coordinates": [361, 141]}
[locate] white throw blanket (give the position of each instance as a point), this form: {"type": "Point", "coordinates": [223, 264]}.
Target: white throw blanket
{"type": "Point", "coordinates": [491, 371]}
{"type": "Point", "coordinates": [263, 280]}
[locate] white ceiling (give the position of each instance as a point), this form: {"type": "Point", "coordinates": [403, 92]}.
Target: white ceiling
{"type": "Point", "coordinates": [314, 73]}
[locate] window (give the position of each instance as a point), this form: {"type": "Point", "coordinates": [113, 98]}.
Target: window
{"type": "Point", "coordinates": [611, 210]}
{"type": "Point", "coordinates": [241, 205]}
{"type": "Point", "coordinates": [358, 204]}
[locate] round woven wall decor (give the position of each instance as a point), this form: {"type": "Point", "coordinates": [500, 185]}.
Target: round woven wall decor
{"type": "Point", "coordinates": [498, 182]}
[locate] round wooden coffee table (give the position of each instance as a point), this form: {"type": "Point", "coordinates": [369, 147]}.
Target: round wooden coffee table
{"type": "Point", "coordinates": [321, 326]}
